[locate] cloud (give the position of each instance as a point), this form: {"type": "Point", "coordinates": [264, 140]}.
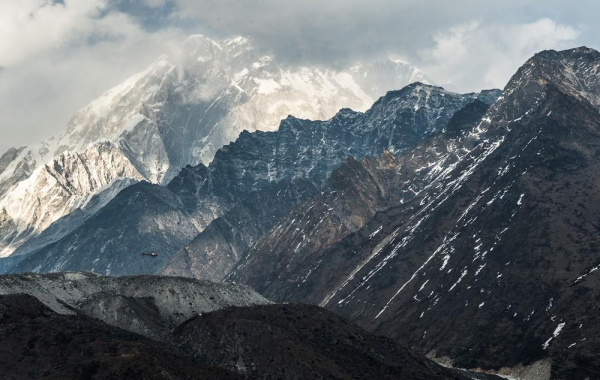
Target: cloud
{"type": "Point", "coordinates": [60, 54]}
{"type": "Point", "coordinates": [337, 31]}
{"type": "Point", "coordinates": [472, 55]}
{"type": "Point", "coordinates": [34, 27]}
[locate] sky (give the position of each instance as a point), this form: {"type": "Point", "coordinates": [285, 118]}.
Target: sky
{"type": "Point", "coordinates": [58, 55]}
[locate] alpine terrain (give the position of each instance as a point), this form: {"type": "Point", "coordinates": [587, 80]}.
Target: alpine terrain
{"type": "Point", "coordinates": [224, 214]}
{"type": "Point", "coordinates": [215, 208]}
{"type": "Point", "coordinates": [177, 112]}
{"type": "Point", "coordinates": [478, 247]}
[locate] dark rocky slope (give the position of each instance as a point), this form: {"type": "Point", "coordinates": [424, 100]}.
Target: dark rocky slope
{"type": "Point", "coordinates": [38, 343]}
{"type": "Point", "coordinates": [274, 342]}
{"type": "Point", "coordinates": [143, 218]}
{"type": "Point", "coordinates": [494, 263]}
{"type": "Point", "coordinates": [301, 342]}
{"type": "Point", "coordinates": [213, 252]}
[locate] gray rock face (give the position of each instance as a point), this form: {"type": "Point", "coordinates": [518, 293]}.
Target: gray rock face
{"type": "Point", "coordinates": [14, 168]}
{"type": "Point", "coordinates": [497, 253]}
{"type": "Point", "coordinates": [8, 157]}
{"type": "Point", "coordinates": [148, 305]}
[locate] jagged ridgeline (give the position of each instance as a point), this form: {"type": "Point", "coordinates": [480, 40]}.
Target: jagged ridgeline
{"type": "Point", "coordinates": [245, 189]}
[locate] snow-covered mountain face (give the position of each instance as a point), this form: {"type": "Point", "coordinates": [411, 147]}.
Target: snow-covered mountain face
{"type": "Point", "coordinates": [182, 109]}
{"type": "Point", "coordinates": [53, 190]}
{"type": "Point", "coordinates": [179, 111]}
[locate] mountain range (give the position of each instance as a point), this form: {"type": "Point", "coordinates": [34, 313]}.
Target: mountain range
{"type": "Point", "coordinates": [487, 259]}
{"type": "Point", "coordinates": [463, 226]}
{"type": "Point", "coordinates": [177, 112]}
{"type": "Point", "coordinates": [302, 152]}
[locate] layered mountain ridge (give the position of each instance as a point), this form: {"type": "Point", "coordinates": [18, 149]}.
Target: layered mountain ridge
{"type": "Point", "coordinates": [465, 226]}
{"type": "Point", "coordinates": [112, 241]}
{"type": "Point", "coordinates": [353, 195]}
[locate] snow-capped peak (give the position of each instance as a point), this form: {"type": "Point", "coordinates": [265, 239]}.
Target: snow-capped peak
{"type": "Point", "coordinates": [180, 111]}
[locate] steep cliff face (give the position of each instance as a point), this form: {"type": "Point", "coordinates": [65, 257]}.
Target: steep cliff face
{"type": "Point", "coordinates": [493, 262]}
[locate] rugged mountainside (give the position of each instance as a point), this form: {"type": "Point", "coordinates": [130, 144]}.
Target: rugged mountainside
{"type": "Point", "coordinates": [65, 184]}
{"type": "Point", "coordinates": [494, 263]}
{"type": "Point", "coordinates": [353, 195]}
{"type": "Point", "coordinates": [300, 149]}
{"type": "Point", "coordinates": [179, 111]}
{"type": "Point", "coordinates": [147, 305]}
{"type": "Point", "coordinates": [313, 149]}
{"type": "Point", "coordinates": [301, 341]}
{"type": "Point", "coordinates": [142, 219]}
{"type": "Point", "coordinates": [37, 343]}
{"type": "Point", "coordinates": [347, 134]}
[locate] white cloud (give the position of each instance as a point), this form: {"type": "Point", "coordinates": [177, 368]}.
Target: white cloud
{"type": "Point", "coordinates": [58, 57]}
{"type": "Point", "coordinates": [155, 3]}
{"type": "Point", "coordinates": [472, 55]}
{"type": "Point", "coordinates": [33, 27]}
{"type": "Point", "coordinates": [60, 54]}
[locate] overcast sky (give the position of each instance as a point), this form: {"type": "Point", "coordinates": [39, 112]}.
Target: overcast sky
{"type": "Point", "coordinates": [57, 55]}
